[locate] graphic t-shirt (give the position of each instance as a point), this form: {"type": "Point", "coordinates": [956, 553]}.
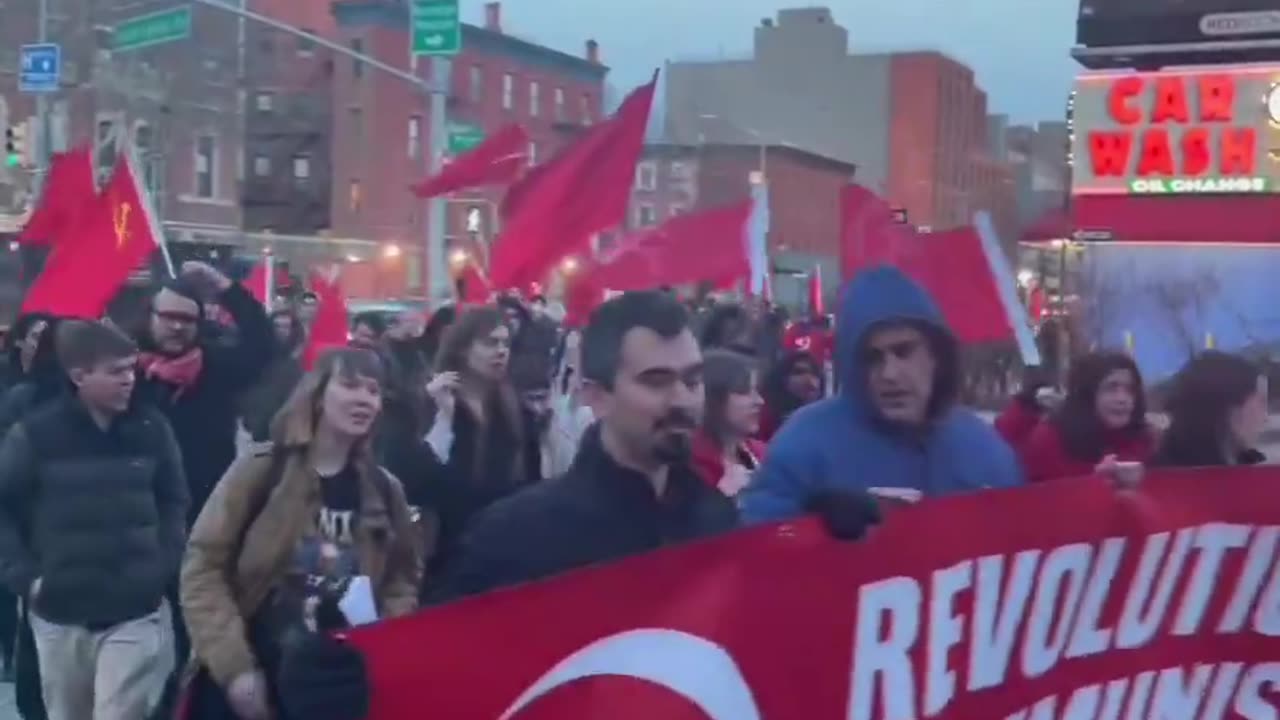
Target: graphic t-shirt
{"type": "Point", "coordinates": [324, 561]}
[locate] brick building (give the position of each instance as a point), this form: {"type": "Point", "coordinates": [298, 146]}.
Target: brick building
{"type": "Point", "coordinates": [288, 118]}
{"type": "Point", "coordinates": [804, 200]}
{"type": "Point", "coordinates": [380, 126]}
{"type": "Point", "coordinates": [913, 122]}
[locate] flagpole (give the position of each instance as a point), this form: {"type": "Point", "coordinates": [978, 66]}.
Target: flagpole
{"type": "Point", "coordinates": [125, 153]}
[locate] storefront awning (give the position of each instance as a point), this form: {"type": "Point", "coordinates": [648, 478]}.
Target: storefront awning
{"type": "Point", "coordinates": [1199, 219]}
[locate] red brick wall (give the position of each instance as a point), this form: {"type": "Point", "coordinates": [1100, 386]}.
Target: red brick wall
{"type": "Point", "coordinates": [382, 163]}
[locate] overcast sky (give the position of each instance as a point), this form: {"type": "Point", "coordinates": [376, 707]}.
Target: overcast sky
{"type": "Point", "coordinates": [1017, 47]}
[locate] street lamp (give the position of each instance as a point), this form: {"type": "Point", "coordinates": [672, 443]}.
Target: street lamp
{"type": "Point", "coordinates": [458, 257]}
{"type": "Point", "coordinates": [391, 251]}
{"type": "Point", "coordinates": [569, 266]}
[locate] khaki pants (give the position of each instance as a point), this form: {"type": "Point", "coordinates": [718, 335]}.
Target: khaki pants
{"type": "Point", "coordinates": [113, 674]}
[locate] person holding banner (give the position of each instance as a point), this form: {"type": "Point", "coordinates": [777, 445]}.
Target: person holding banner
{"type": "Point", "coordinates": [893, 424]}
{"type": "Point", "coordinates": [1102, 420]}
{"type": "Point", "coordinates": [1217, 413]}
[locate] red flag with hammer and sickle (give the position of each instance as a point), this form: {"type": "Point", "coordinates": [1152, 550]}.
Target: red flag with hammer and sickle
{"type": "Point", "coordinates": [116, 234]}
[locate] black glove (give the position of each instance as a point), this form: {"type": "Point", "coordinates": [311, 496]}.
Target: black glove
{"type": "Point", "coordinates": [322, 678]}
{"type": "Point", "coordinates": [847, 514]}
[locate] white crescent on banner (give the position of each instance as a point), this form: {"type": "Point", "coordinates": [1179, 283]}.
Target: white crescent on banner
{"type": "Point", "coordinates": [690, 666]}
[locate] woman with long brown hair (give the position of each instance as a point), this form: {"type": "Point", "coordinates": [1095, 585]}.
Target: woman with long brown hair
{"type": "Point", "coordinates": [484, 443]}
{"type": "Point", "coordinates": [291, 533]}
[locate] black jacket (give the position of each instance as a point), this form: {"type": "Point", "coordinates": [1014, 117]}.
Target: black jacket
{"type": "Point", "coordinates": [98, 516]}
{"type": "Point", "coordinates": [204, 418]}
{"type": "Point", "coordinates": [597, 512]}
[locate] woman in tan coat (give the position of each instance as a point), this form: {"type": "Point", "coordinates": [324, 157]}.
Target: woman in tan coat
{"type": "Point", "coordinates": [307, 536]}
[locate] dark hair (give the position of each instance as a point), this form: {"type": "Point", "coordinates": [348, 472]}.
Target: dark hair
{"type": "Point", "coordinates": [294, 424]}
{"type": "Point", "coordinates": [83, 344]}
{"type": "Point", "coordinates": [296, 332]}
{"type": "Point", "coordinates": [773, 387]}
{"type": "Point", "coordinates": [471, 325]}
{"type": "Point", "coordinates": [183, 287]}
{"type": "Point", "coordinates": [434, 330]}
{"type": "Point", "coordinates": [371, 319]}
{"type": "Point", "coordinates": [1077, 420]}
{"type": "Point", "coordinates": [612, 320]}
{"type": "Point", "coordinates": [1204, 393]}
{"type": "Point", "coordinates": [531, 372]}
{"type": "Point", "coordinates": [724, 373]}
{"type": "Point", "coordinates": [723, 325]}
{"type": "Point", "coordinates": [18, 333]}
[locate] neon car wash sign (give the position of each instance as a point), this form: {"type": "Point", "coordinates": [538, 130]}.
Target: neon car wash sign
{"type": "Point", "coordinates": [1203, 132]}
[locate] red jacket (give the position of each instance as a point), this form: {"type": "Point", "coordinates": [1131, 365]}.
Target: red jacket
{"type": "Point", "coordinates": [708, 459]}
{"type": "Point", "coordinates": [1017, 422]}
{"type": "Point", "coordinates": [1044, 457]}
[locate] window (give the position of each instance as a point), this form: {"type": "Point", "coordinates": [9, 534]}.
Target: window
{"type": "Point", "coordinates": [357, 66]}
{"type": "Point", "coordinates": [143, 140]}
{"type": "Point", "coordinates": [261, 165]}
{"type": "Point", "coordinates": [559, 100]}
{"type": "Point", "coordinates": [301, 168]}
{"type": "Point", "coordinates": [106, 135]}
{"type": "Point", "coordinates": [646, 176]}
{"type": "Point", "coordinates": [475, 83]}
{"type": "Point", "coordinates": [354, 196]}
{"type": "Point", "coordinates": [645, 216]}
{"type": "Point", "coordinates": [533, 153]}
{"type": "Point", "coordinates": [508, 89]}
{"type": "Point", "coordinates": [306, 46]}
{"type": "Point", "coordinates": [586, 109]}
{"type": "Point", "coordinates": [534, 98]}
{"type": "Point", "coordinates": [415, 136]}
{"type": "Point", "coordinates": [206, 166]}
{"type": "Point", "coordinates": [356, 116]}
{"type": "Point", "coordinates": [677, 209]}
{"type": "Point", "coordinates": [264, 101]}
{"type": "Point", "coordinates": [681, 170]}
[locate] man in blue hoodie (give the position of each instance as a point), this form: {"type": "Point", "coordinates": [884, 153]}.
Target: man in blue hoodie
{"type": "Point", "coordinates": [895, 422]}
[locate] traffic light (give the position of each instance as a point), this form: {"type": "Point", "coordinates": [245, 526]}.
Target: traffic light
{"type": "Point", "coordinates": [15, 144]}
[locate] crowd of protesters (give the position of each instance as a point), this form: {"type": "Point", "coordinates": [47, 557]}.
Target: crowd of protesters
{"type": "Point", "coordinates": [186, 510]}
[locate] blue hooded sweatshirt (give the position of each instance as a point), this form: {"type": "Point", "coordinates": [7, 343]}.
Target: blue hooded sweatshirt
{"type": "Point", "coordinates": [841, 443]}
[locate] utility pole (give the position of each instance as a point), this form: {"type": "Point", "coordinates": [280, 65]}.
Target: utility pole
{"type": "Point", "coordinates": [438, 285]}
{"type": "Point", "coordinates": [42, 110]}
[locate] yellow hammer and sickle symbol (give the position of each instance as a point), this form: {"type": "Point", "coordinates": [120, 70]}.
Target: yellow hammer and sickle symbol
{"type": "Point", "coordinates": [121, 222]}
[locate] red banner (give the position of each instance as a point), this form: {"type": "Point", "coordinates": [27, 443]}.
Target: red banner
{"type": "Point", "coordinates": [1063, 600]}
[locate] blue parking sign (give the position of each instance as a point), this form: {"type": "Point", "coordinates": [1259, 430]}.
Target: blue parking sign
{"type": "Point", "coordinates": [41, 68]}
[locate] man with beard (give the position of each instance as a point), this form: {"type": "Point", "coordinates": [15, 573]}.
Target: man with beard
{"type": "Point", "coordinates": [196, 383]}
{"type": "Point", "coordinates": [631, 487]}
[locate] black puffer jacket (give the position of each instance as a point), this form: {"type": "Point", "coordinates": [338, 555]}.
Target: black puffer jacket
{"type": "Point", "coordinates": [99, 516]}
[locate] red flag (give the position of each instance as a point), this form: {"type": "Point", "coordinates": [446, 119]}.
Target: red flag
{"type": "Point", "coordinates": [115, 233]}
{"type": "Point", "coordinates": [329, 330]}
{"type": "Point", "coordinates": [815, 292]}
{"type": "Point", "coordinates": [952, 265]}
{"type": "Point", "coordinates": [707, 246]}
{"type": "Point", "coordinates": [70, 189]}
{"type": "Point", "coordinates": [265, 279]}
{"type": "Point", "coordinates": [556, 207]}
{"type": "Point", "coordinates": [496, 161]}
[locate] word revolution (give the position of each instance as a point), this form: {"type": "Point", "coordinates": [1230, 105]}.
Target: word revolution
{"type": "Point", "coordinates": [1001, 620]}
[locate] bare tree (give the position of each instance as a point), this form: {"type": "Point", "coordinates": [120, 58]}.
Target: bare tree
{"type": "Point", "coordinates": [1101, 288]}
{"type": "Point", "coordinates": [1183, 301]}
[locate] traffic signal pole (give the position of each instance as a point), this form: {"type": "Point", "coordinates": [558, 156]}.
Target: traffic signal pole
{"type": "Point", "coordinates": [43, 147]}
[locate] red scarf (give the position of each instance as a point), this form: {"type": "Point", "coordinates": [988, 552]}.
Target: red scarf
{"type": "Point", "coordinates": [180, 371]}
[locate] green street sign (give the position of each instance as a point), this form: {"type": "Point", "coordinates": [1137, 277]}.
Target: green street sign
{"type": "Point", "coordinates": [153, 29]}
{"type": "Point", "coordinates": [463, 138]}
{"type": "Point", "coordinates": [436, 27]}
